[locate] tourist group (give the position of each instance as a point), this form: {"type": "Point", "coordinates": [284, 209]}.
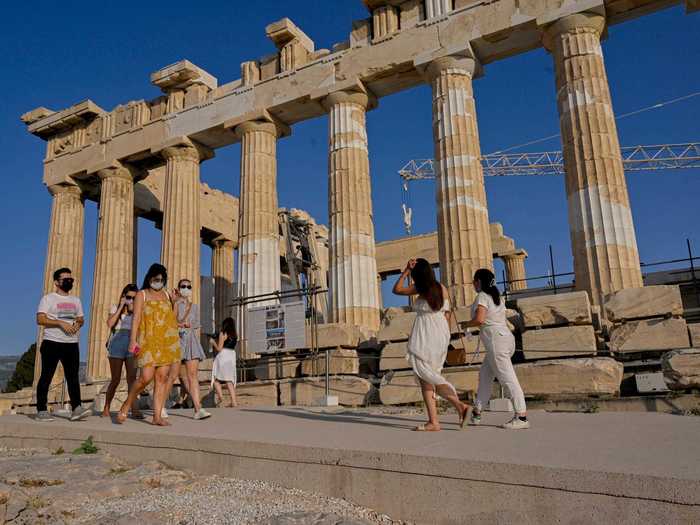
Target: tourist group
{"type": "Point", "coordinates": [155, 337]}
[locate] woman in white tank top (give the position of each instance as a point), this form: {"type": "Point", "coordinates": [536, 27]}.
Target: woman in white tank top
{"type": "Point", "coordinates": [430, 337]}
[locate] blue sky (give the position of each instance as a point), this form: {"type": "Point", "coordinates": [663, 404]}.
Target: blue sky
{"type": "Point", "coordinates": [58, 53]}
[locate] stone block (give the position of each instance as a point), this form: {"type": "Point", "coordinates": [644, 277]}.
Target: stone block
{"type": "Point", "coordinates": [555, 310]}
{"type": "Point", "coordinates": [681, 368]}
{"type": "Point", "coordinates": [333, 335]}
{"type": "Point", "coordinates": [342, 361]}
{"type": "Point", "coordinates": [582, 376]}
{"type": "Point", "coordinates": [694, 332]}
{"type": "Point", "coordinates": [276, 367]}
{"type": "Point", "coordinates": [394, 357]}
{"type": "Point", "coordinates": [648, 335]}
{"type": "Point", "coordinates": [396, 325]}
{"type": "Point", "coordinates": [644, 302]}
{"type": "Point", "coordinates": [250, 394]}
{"type": "Point", "coordinates": [402, 387]}
{"type": "Point", "coordinates": [351, 391]}
{"type": "Point", "coordinates": [562, 341]}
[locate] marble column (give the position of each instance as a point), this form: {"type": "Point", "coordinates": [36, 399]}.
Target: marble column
{"type": "Point", "coordinates": [222, 272]}
{"type": "Point", "coordinates": [258, 245]}
{"type": "Point", "coordinates": [352, 263]}
{"type": "Point", "coordinates": [464, 238]}
{"type": "Point", "coordinates": [114, 261]}
{"type": "Point", "coordinates": [180, 247]}
{"type": "Point", "coordinates": [603, 239]}
{"type": "Point", "coordinates": [515, 270]}
{"type": "Point", "coordinates": [64, 249]}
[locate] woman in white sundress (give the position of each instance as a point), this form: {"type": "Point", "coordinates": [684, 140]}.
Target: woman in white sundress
{"type": "Point", "coordinates": [224, 369]}
{"type": "Point", "coordinates": [430, 337]}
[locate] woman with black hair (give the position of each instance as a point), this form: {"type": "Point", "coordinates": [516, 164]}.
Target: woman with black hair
{"type": "Point", "coordinates": [154, 340]}
{"type": "Point", "coordinates": [489, 315]}
{"type": "Point", "coordinates": [224, 368]}
{"type": "Point", "coordinates": [430, 337]}
{"type": "Point", "coordinates": [119, 322]}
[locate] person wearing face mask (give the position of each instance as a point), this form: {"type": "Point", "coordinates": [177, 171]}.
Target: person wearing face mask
{"type": "Point", "coordinates": [119, 322]}
{"type": "Point", "coordinates": [192, 352]}
{"type": "Point", "coordinates": [61, 316]}
{"type": "Point", "coordinates": [155, 341]}
{"type": "Point", "coordinates": [489, 315]}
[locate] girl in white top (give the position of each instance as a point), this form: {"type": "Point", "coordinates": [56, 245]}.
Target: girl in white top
{"type": "Point", "coordinates": [430, 337]}
{"type": "Point", "coordinates": [489, 315]}
{"type": "Point", "coordinates": [119, 323]}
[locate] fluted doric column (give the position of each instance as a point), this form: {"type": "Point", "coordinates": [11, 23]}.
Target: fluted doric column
{"type": "Point", "coordinates": [464, 239]}
{"type": "Point", "coordinates": [603, 240]}
{"type": "Point", "coordinates": [515, 270]}
{"type": "Point", "coordinates": [222, 271]}
{"type": "Point", "coordinates": [64, 248]}
{"type": "Point", "coordinates": [180, 247]}
{"type": "Point", "coordinates": [114, 259]}
{"type": "Point", "coordinates": [258, 243]}
{"type": "Point", "coordinates": [352, 262]}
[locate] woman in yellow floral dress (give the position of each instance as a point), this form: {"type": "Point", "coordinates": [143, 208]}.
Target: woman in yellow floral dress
{"type": "Point", "coordinates": [154, 340]}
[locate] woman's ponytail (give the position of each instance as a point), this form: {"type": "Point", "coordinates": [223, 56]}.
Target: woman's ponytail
{"type": "Point", "coordinates": [487, 283]}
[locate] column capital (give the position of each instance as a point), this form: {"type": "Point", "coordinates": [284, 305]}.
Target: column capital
{"type": "Point", "coordinates": [568, 24]}
{"type": "Point", "coordinates": [183, 148]}
{"type": "Point", "coordinates": [266, 126]}
{"type": "Point", "coordinates": [71, 189]}
{"type": "Point", "coordinates": [460, 59]}
{"type": "Point", "coordinates": [351, 97]}
{"type": "Point", "coordinates": [115, 169]}
{"type": "Point", "coordinates": [222, 242]}
{"type": "Point", "coordinates": [514, 255]}
{"type": "Point", "coordinates": [457, 65]}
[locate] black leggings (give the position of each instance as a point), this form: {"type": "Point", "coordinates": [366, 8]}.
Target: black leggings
{"type": "Point", "coordinates": [69, 356]}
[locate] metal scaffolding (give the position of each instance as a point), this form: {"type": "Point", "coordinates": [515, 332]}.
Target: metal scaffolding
{"type": "Point", "coordinates": [635, 158]}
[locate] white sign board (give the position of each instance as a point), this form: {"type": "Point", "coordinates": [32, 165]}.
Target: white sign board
{"type": "Point", "coordinates": [276, 328]}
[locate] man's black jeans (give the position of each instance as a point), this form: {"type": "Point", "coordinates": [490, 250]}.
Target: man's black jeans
{"type": "Point", "coordinates": [69, 356]}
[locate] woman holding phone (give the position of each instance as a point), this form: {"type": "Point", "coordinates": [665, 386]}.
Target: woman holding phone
{"type": "Point", "coordinates": [155, 341]}
{"type": "Point", "coordinates": [119, 322]}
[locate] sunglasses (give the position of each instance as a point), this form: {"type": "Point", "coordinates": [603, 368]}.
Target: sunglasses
{"type": "Point", "coordinates": [67, 280]}
{"type": "Point", "coordinates": [130, 297]}
{"type": "Point", "coordinates": [183, 286]}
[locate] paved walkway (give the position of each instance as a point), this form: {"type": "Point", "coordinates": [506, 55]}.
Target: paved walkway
{"type": "Point", "coordinates": [643, 456]}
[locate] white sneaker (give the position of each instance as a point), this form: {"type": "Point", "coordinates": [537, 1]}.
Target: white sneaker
{"type": "Point", "coordinates": [201, 414]}
{"type": "Point", "coordinates": [516, 424]}
{"type": "Point", "coordinates": [164, 413]}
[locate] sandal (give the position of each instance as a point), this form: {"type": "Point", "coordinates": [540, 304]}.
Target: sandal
{"type": "Point", "coordinates": [120, 418]}
{"type": "Point", "coordinates": [424, 428]}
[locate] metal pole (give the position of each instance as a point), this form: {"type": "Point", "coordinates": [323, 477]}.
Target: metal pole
{"type": "Point", "coordinates": [328, 363]}
{"type": "Point", "coordinates": [505, 284]}
{"type": "Point", "coordinates": [692, 273]}
{"type": "Point", "coordinates": [551, 265]}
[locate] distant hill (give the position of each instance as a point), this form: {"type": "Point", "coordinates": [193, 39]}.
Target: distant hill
{"type": "Point", "coordinates": [7, 367]}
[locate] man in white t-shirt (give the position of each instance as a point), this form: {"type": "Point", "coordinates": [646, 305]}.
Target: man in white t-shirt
{"type": "Point", "coordinates": [61, 315]}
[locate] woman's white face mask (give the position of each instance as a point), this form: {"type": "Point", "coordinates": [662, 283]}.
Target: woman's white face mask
{"type": "Point", "coordinates": [186, 292]}
{"type": "Point", "coordinates": [157, 284]}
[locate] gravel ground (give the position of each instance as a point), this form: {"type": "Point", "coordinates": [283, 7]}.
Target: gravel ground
{"type": "Point", "coordinates": [38, 486]}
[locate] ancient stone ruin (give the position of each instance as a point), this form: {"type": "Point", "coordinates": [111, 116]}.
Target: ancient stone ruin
{"type": "Point", "coordinates": [143, 159]}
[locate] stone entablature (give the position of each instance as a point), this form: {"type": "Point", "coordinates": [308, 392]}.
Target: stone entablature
{"type": "Point", "coordinates": [86, 134]}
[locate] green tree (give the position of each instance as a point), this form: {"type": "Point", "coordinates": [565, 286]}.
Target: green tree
{"type": "Point", "coordinates": [24, 371]}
